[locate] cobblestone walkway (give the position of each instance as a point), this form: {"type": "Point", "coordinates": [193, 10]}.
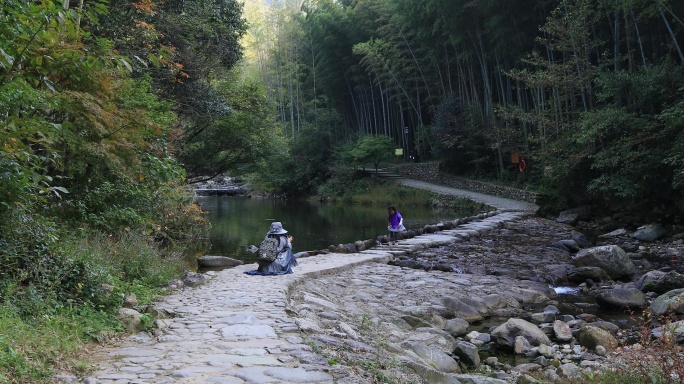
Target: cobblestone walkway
{"type": "Point", "coordinates": [235, 328]}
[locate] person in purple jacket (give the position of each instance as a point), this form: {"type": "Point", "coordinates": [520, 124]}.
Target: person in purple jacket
{"type": "Point", "coordinates": [395, 223]}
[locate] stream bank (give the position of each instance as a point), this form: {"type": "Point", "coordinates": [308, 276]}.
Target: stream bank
{"type": "Point", "coordinates": [485, 303]}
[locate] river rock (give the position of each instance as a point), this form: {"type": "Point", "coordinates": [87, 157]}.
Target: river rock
{"type": "Point", "coordinates": [527, 296]}
{"type": "Point", "coordinates": [562, 331]}
{"type": "Point", "coordinates": [610, 258]}
{"type": "Point", "coordinates": [521, 345]}
{"type": "Point", "coordinates": [431, 375]}
{"type": "Point", "coordinates": [494, 301]}
{"type": "Point", "coordinates": [591, 337]}
{"type": "Point", "coordinates": [506, 333]}
{"type": "Point", "coordinates": [475, 379]}
{"type": "Point", "coordinates": [672, 301]}
{"type": "Point", "coordinates": [615, 233]}
{"type": "Point", "coordinates": [567, 217]}
{"type": "Point", "coordinates": [348, 248]}
{"type": "Point", "coordinates": [434, 337]}
{"type": "Point", "coordinates": [660, 282]}
{"type": "Point", "coordinates": [467, 353]}
{"type": "Point", "coordinates": [650, 232]}
{"type": "Point", "coordinates": [461, 309]}
{"type": "Point", "coordinates": [672, 329]}
{"type": "Point", "coordinates": [543, 317]}
{"type": "Point", "coordinates": [130, 301]}
{"type": "Point", "coordinates": [608, 326]}
{"type": "Point", "coordinates": [435, 357]}
{"type": "Point", "coordinates": [570, 370]}
{"type": "Point", "coordinates": [526, 379]}
{"type": "Point", "coordinates": [456, 327]}
{"type": "Point", "coordinates": [571, 245]}
{"type": "Point", "coordinates": [217, 261]}
{"type": "Point", "coordinates": [621, 298]}
{"type": "Point", "coordinates": [582, 274]}
{"type": "Point", "coordinates": [131, 319]}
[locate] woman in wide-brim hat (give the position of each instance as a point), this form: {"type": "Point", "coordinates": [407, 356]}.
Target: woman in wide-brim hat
{"type": "Point", "coordinates": [285, 260]}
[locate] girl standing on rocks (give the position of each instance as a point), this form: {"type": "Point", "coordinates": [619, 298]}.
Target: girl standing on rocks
{"type": "Point", "coordinates": [395, 223]}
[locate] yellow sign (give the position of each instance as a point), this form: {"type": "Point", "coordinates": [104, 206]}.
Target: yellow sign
{"type": "Point", "coordinates": [399, 152]}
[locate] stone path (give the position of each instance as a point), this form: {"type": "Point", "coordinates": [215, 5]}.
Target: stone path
{"type": "Point", "coordinates": [500, 203]}
{"type": "Point", "coordinates": [236, 328]}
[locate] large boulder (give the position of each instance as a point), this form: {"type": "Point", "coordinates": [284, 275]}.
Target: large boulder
{"type": "Point", "coordinates": [467, 353]}
{"type": "Point", "coordinates": [462, 310]}
{"type": "Point", "coordinates": [506, 333]}
{"type": "Point", "coordinates": [456, 327]}
{"type": "Point", "coordinates": [650, 232]}
{"type": "Point", "coordinates": [610, 258]}
{"type": "Point", "coordinates": [591, 337]}
{"type": "Point", "coordinates": [621, 298]}
{"type": "Point", "coordinates": [669, 302]}
{"type": "Point", "coordinates": [209, 261]}
{"type": "Point", "coordinates": [660, 282]}
{"type": "Point", "coordinates": [434, 357]}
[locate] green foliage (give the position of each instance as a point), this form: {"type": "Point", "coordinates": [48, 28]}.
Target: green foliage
{"type": "Point", "coordinates": [238, 140]}
{"type": "Point", "coordinates": [31, 348]}
{"type": "Point", "coordinates": [301, 170]}
{"type": "Point", "coordinates": [69, 297]}
{"type": "Point", "coordinates": [628, 149]}
{"type": "Point", "coordinates": [587, 91]}
{"type": "Point", "coordinates": [369, 149]}
{"type": "Point", "coordinates": [91, 201]}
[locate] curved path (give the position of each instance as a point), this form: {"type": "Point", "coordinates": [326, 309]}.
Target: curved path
{"type": "Point", "coordinates": [236, 328]}
{"type": "Point", "coordinates": [499, 203]}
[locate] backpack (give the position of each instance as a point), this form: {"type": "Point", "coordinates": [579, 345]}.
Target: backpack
{"type": "Point", "coordinates": [268, 249]}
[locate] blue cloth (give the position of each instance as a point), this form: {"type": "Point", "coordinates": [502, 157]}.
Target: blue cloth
{"type": "Point", "coordinates": [283, 263]}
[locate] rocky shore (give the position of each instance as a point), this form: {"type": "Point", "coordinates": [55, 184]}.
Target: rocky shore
{"type": "Point", "coordinates": [484, 309]}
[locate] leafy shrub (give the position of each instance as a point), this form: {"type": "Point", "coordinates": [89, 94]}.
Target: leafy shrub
{"type": "Point", "coordinates": [25, 243]}
{"type": "Point", "coordinates": [176, 217]}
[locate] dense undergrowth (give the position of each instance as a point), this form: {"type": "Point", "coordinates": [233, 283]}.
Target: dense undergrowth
{"type": "Point", "coordinates": [62, 281]}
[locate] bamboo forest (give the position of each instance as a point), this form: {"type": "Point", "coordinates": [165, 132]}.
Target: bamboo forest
{"type": "Point", "coordinates": [111, 111]}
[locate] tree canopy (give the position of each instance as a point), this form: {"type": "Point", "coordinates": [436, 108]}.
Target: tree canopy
{"type": "Point", "coordinates": [587, 91]}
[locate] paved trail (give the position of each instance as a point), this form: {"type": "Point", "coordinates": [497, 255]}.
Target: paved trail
{"type": "Point", "coordinates": [235, 328]}
{"type": "Point", "coordinates": [493, 201]}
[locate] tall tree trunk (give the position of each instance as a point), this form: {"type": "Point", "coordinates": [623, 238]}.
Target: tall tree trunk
{"type": "Point", "coordinates": [669, 29]}
{"type": "Point", "coordinates": [641, 45]}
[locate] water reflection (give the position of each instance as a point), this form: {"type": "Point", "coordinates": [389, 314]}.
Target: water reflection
{"type": "Point", "coordinates": [238, 222]}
